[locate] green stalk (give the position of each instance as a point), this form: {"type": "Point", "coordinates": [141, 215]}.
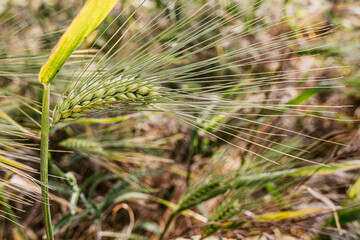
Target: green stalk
{"type": "Point", "coordinates": [44, 151]}
{"type": "Point", "coordinates": [169, 221]}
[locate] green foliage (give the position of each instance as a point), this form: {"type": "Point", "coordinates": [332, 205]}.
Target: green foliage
{"type": "Point", "coordinates": [84, 195]}
{"type": "Point", "coordinates": [239, 94]}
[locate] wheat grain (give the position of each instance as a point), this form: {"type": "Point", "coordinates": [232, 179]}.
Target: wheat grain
{"type": "Point", "coordinates": [201, 194]}
{"type": "Point", "coordinates": [225, 211]}
{"type": "Point", "coordinates": [82, 144]}
{"type": "Point", "coordinates": [119, 90]}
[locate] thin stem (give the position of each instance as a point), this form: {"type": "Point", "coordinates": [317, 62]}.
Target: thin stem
{"type": "Point", "coordinates": [45, 127]}
{"type": "Point", "coordinates": [167, 225]}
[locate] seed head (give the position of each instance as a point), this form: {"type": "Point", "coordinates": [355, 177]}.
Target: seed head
{"type": "Point", "coordinates": [91, 97]}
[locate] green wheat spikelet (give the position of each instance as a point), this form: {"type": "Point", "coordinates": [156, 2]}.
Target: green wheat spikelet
{"type": "Point", "coordinates": [225, 211]}
{"type": "Point", "coordinates": [81, 144]}
{"type": "Point", "coordinates": [201, 194]}
{"type": "Point", "coordinates": [91, 98]}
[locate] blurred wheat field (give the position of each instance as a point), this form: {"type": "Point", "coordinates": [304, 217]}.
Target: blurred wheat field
{"type": "Point", "coordinates": [221, 119]}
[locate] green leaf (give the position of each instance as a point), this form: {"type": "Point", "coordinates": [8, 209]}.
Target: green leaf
{"type": "Point", "coordinates": [328, 169]}
{"type": "Point", "coordinates": [263, 178]}
{"type": "Point", "coordinates": [148, 226]}
{"type": "Point", "coordinates": [345, 216]}
{"type": "Point", "coordinates": [306, 95]}
{"type": "Point", "coordinates": [90, 16]}
{"type": "Point", "coordinates": [68, 220]}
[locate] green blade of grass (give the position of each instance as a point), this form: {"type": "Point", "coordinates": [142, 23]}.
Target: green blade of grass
{"type": "Point", "coordinates": [90, 16]}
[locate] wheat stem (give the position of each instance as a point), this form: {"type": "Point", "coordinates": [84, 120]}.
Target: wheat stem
{"type": "Point", "coordinates": [169, 221]}
{"type": "Point", "coordinates": [44, 160]}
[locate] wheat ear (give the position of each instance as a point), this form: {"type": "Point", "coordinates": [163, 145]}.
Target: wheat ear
{"type": "Point", "coordinates": [101, 95]}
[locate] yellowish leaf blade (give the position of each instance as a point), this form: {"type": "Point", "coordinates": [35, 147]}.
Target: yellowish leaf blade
{"type": "Point", "coordinates": [354, 190]}
{"type": "Point", "coordinates": [14, 163]}
{"type": "Point", "coordinates": [90, 16]}
{"type": "Point", "coordinates": [278, 216]}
